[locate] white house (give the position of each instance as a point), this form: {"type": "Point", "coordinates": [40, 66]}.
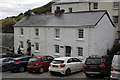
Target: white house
{"type": "Point", "coordinates": [68, 34]}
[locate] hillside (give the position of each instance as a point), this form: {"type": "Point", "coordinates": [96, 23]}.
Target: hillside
{"type": "Point", "coordinates": [7, 23]}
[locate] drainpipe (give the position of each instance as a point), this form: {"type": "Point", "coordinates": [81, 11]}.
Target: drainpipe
{"type": "Point", "coordinates": [119, 23]}
{"type": "Point", "coordinates": [89, 6]}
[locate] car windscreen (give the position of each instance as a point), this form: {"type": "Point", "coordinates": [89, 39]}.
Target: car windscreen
{"type": "Point", "coordinates": [33, 60]}
{"type": "Point", "coordinates": [58, 61]}
{"type": "Point", "coordinates": [93, 61]}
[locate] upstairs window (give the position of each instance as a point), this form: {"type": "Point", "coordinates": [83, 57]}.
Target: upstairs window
{"type": "Point", "coordinates": [57, 33]}
{"type": "Point", "coordinates": [115, 5]}
{"type": "Point", "coordinates": [21, 31]}
{"type": "Point", "coordinates": [36, 32]}
{"type": "Point", "coordinates": [115, 19]}
{"type": "Point", "coordinates": [95, 5]}
{"type": "Point", "coordinates": [21, 44]}
{"type": "Point", "coordinates": [70, 10]}
{"type": "Point", "coordinates": [80, 33]}
{"type": "Point", "coordinates": [56, 48]}
{"type": "Point", "coordinates": [80, 51]}
{"type": "Point", "coordinates": [36, 46]}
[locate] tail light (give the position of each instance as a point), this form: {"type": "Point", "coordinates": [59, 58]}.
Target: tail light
{"type": "Point", "coordinates": [36, 64]}
{"type": "Point", "coordinates": [111, 68]}
{"type": "Point", "coordinates": [62, 65]}
{"type": "Point", "coordinates": [17, 63]}
{"type": "Point", "coordinates": [102, 64]}
{"type": "Point", "coordinates": [50, 64]}
{"type": "Point", "coordinates": [84, 65]}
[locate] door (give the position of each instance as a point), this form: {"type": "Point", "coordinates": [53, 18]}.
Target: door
{"type": "Point", "coordinates": [68, 51]}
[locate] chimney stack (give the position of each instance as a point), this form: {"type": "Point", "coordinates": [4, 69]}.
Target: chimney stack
{"type": "Point", "coordinates": [58, 11]}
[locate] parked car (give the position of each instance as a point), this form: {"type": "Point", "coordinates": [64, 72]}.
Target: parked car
{"type": "Point", "coordinates": [39, 63]}
{"type": "Point", "coordinates": [4, 63]}
{"type": "Point", "coordinates": [95, 65]}
{"type": "Point", "coordinates": [19, 64]}
{"type": "Point", "coordinates": [115, 68]}
{"type": "Point", "coordinates": [65, 65]}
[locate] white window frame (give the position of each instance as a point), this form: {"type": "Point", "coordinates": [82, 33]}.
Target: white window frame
{"type": "Point", "coordinates": [80, 33]}
{"type": "Point", "coordinates": [115, 20]}
{"type": "Point", "coordinates": [21, 31]}
{"type": "Point", "coordinates": [57, 33]}
{"type": "Point", "coordinates": [36, 32]}
{"type": "Point", "coordinates": [80, 51]}
{"type": "Point", "coordinates": [95, 5]}
{"type": "Point", "coordinates": [115, 5]}
{"type": "Point", "coordinates": [57, 48]}
{"type": "Point", "coordinates": [21, 44]}
{"type": "Point", "coordinates": [70, 9]}
{"type": "Point", "coordinates": [37, 46]}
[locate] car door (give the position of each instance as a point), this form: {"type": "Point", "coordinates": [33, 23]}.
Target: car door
{"type": "Point", "coordinates": [71, 64]}
{"type": "Point", "coordinates": [44, 62]}
{"type": "Point", "coordinates": [79, 64]}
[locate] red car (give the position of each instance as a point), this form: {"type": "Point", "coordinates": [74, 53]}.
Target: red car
{"type": "Point", "coordinates": [39, 63]}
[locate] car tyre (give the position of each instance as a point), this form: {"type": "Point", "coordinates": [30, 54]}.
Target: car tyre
{"type": "Point", "coordinates": [22, 69]}
{"type": "Point", "coordinates": [52, 73]}
{"type": "Point", "coordinates": [41, 70]}
{"type": "Point", "coordinates": [3, 69]}
{"type": "Point", "coordinates": [88, 75]}
{"type": "Point", "coordinates": [68, 72]}
{"type": "Point", "coordinates": [30, 71]}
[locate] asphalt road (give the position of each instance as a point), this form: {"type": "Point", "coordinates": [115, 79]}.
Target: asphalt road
{"type": "Point", "coordinates": [26, 74]}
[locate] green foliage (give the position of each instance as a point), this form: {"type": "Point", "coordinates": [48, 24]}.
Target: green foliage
{"type": "Point", "coordinates": [114, 50]}
{"type": "Point", "coordinates": [7, 24]}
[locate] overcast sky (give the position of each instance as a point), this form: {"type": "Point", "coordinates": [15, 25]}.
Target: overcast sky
{"type": "Point", "coordinates": [14, 7]}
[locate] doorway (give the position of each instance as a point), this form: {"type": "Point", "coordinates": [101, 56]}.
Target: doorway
{"type": "Point", "coordinates": [68, 51]}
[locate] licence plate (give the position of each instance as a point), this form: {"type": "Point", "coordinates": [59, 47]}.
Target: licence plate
{"type": "Point", "coordinates": [93, 67]}
{"type": "Point", "coordinates": [31, 64]}
{"type": "Point", "coordinates": [10, 64]}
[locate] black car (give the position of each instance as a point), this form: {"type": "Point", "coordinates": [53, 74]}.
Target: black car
{"type": "Point", "coordinates": [95, 65]}
{"type": "Point", "coordinates": [19, 64]}
{"type": "Point", "coordinates": [4, 63]}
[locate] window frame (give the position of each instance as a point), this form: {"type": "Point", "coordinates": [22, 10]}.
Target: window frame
{"type": "Point", "coordinates": [115, 19]}
{"type": "Point", "coordinates": [37, 46]}
{"type": "Point", "coordinates": [80, 51]}
{"type": "Point", "coordinates": [21, 44]}
{"type": "Point", "coordinates": [57, 33]}
{"type": "Point", "coordinates": [21, 31]}
{"type": "Point", "coordinates": [115, 5]}
{"type": "Point", "coordinates": [80, 33]}
{"type": "Point", "coordinates": [95, 5]}
{"type": "Point", "coordinates": [57, 48]}
{"type": "Point", "coordinates": [36, 32]}
{"type": "Point", "coordinates": [70, 9]}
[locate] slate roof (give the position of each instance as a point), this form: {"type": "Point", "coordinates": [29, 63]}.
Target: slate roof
{"type": "Point", "coordinates": [87, 18]}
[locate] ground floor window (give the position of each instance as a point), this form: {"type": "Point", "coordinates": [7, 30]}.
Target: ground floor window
{"type": "Point", "coordinates": [36, 46]}
{"type": "Point", "coordinates": [80, 51]}
{"type": "Point", "coordinates": [21, 44]}
{"type": "Point", "coordinates": [56, 48]}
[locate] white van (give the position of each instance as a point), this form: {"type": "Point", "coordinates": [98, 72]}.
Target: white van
{"type": "Point", "coordinates": [115, 67]}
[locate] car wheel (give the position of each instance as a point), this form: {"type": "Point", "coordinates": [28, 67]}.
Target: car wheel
{"type": "Point", "coordinates": [68, 72]}
{"type": "Point", "coordinates": [52, 73]}
{"type": "Point", "coordinates": [41, 70]}
{"type": "Point", "coordinates": [3, 69]}
{"type": "Point", "coordinates": [30, 71]}
{"type": "Point", "coordinates": [88, 75]}
{"type": "Point", "coordinates": [22, 69]}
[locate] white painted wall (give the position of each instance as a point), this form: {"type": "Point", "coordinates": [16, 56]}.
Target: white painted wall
{"type": "Point", "coordinates": [96, 40]}
{"type": "Point", "coordinates": [104, 36]}
{"type": "Point", "coordinates": [75, 7]}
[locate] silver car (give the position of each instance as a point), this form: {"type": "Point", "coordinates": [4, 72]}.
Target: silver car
{"type": "Point", "coordinates": [115, 67]}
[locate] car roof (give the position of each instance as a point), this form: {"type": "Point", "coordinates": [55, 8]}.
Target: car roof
{"type": "Point", "coordinates": [63, 58]}
{"type": "Point", "coordinates": [22, 57]}
{"type": "Point", "coordinates": [41, 56]}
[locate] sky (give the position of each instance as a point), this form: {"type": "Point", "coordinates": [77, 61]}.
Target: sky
{"type": "Point", "coordinates": [10, 8]}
